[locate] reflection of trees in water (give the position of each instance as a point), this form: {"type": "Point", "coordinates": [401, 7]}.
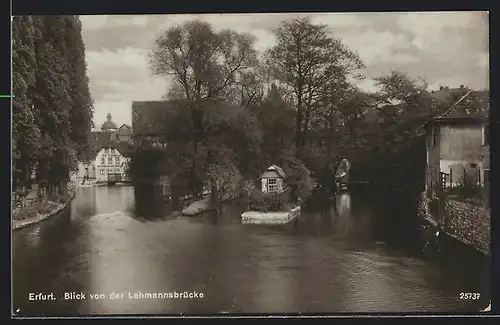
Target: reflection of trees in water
{"type": "Point", "coordinates": [54, 273]}
{"type": "Point", "coordinates": [343, 211]}
{"type": "Point", "coordinates": [85, 202]}
{"type": "Point", "coordinates": [148, 203]}
{"type": "Point", "coordinates": [396, 218]}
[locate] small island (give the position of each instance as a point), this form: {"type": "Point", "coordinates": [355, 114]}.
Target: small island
{"type": "Point", "coordinates": [279, 197]}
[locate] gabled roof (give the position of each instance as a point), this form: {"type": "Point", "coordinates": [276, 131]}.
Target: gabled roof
{"type": "Point", "coordinates": [462, 112]}
{"type": "Point", "coordinates": [124, 129]}
{"type": "Point", "coordinates": [277, 169]}
{"type": "Point", "coordinates": [120, 148]}
{"type": "Point", "coordinates": [481, 98]}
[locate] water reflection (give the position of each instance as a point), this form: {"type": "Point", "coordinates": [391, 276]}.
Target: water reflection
{"type": "Point", "coordinates": [334, 258]}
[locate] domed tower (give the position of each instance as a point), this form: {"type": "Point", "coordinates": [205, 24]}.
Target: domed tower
{"type": "Point", "coordinates": [109, 125]}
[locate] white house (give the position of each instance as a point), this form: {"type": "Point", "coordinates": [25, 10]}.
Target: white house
{"type": "Point", "coordinates": [109, 160]}
{"type": "Point", "coordinates": [272, 179]}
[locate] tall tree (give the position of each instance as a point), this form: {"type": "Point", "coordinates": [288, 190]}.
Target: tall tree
{"type": "Point", "coordinates": [52, 100]}
{"type": "Point", "coordinates": [25, 131]}
{"type": "Point", "coordinates": [206, 67]}
{"type": "Point", "coordinates": [304, 58]}
{"type": "Point", "coordinates": [81, 110]}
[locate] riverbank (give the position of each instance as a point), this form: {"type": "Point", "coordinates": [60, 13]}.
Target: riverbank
{"type": "Point", "coordinates": [462, 221]}
{"type": "Point", "coordinates": [36, 217]}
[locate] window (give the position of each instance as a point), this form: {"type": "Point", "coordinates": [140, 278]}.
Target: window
{"type": "Point", "coordinates": [272, 185]}
{"type": "Point", "coordinates": [103, 172]}
{"type": "Point", "coordinates": [110, 160]}
{"type": "Point", "coordinates": [117, 160]}
{"type": "Point", "coordinates": [102, 161]}
{"type": "Point", "coordinates": [117, 170]}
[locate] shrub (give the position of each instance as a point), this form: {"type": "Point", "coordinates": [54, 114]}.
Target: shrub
{"type": "Point", "coordinates": [299, 179]}
{"type": "Point", "coordinates": [269, 202]}
{"type": "Point", "coordinates": [44, 208]}
{"type": "Point", "coordinates": [25, 214]}
{"type": "Point", "coordinates": [467, 190]}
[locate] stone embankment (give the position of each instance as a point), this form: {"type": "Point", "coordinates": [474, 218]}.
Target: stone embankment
{"type": "Point", "coordinates": [270, 218]}
{"type": "Point", "coordinates": [468, 223]}
{"type": "Point", "coordinates": [38, 217]}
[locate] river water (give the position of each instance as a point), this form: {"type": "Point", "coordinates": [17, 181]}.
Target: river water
{"type": "Point", "coordinates": [359, 254]}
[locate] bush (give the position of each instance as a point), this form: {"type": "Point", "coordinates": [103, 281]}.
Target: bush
{"type": "Point", "coordinates": [269, 202]}
{"type": "Point", "coordinates": [467, 190]}
{"type": "Point", "coordinates": [44, 208]}
{"type": "Point", "coordinates": [25, 214]}
{"type": "Point", "coordinates": [299, 179]}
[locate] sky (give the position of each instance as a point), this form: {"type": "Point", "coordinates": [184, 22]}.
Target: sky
{"type": "Point", "coordinates": [443, 48]}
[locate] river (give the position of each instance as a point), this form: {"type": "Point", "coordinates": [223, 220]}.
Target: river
{"type": "Point", "coordinates": [359, 254]}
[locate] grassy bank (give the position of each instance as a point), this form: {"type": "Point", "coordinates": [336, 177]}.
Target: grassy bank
{"type": "Point", "coordinates": [40, 211]}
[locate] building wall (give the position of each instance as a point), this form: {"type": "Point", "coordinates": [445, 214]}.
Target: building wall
{"type": "Point", "coordinates": [433, 158]}
{"type": "Point", "coordinates": [279, 182]}
{"type": "Point", "coordinates": [462, 168]}
{"type": "Point", "coordinates": [461, 149]}
{"type": "Point", "coordinates": [110, 160]}
{"type": "Point", "coordinates": [461, 143]}
{"type": "Point", "coordinates": [453, 148]}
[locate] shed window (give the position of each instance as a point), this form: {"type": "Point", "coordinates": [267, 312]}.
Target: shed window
{"type": "Point", "coordinates": [272, 185]}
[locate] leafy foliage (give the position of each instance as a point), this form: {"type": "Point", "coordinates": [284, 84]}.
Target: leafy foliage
{"type": "Point", "coordinates": [295, 106]}
{"type": "Point", "coordinates": [52, 107]}
{"type": "Point", "coordinates": [269, 202]}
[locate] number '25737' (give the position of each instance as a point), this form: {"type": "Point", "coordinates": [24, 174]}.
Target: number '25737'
{"type": "Point", "coordinates": [469, 295]}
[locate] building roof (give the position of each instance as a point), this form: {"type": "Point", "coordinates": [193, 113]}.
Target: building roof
{"type": "Point", "coordinates": [472, 106]}
{"type": "Point", "coordinates": [109, 124]}
{"type": "Point", "coordinates": [125, 129]}
{"type": "Point", "coordinates": [104, 139]}
{"type": "Point", "coordinates": [98, 140]}
{"type": "Point", "coordinates": [121, 147]}
{"type": "Point", "coordinates": [274, 168]}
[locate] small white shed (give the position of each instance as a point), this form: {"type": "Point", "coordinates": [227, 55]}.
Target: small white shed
{"type": "Point", "coordinates": [272, 179]}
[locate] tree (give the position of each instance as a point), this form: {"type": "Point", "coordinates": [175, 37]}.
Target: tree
{"type": "Point", "coordinates": [81, 110]}
{"type": "Point", "coordinates": [303, 59]}
{"type": "Point", "coordinates": [52, 100]}
{"type": "Point", "coordinates": [25, 131]}
{"type": "Point", "coordinates": [206, 67]}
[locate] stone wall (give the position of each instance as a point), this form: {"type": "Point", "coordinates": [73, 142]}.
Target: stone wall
{"type": "Point", "coordinates": [469, 224]}
{"type": "Point", "coordinates": [270, 218]}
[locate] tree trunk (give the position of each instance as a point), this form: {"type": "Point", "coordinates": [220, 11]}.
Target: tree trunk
{"type": "Point", "coordinates": [298, 126]}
